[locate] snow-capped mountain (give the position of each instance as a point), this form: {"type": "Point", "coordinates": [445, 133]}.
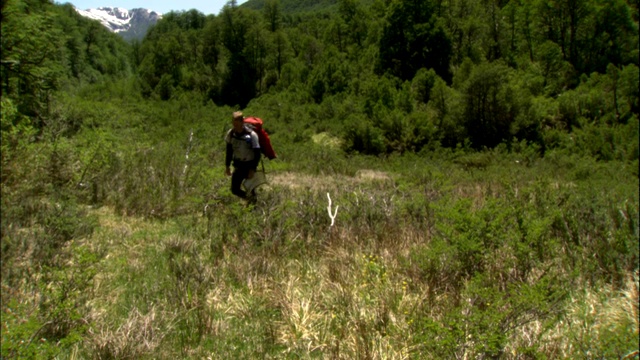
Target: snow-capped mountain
{"type": "Point", "coordinates": [130, 24]}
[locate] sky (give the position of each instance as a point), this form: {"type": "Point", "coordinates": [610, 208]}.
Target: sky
{"type": "Point", "coordinates": [162, 6]}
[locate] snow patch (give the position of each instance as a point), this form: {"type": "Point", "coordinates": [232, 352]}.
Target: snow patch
{"type": "Point", "coordinates": [114, 18]}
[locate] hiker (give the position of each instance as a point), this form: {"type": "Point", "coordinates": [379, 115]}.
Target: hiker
{"type": "Point", "coordinates": [243, 147]}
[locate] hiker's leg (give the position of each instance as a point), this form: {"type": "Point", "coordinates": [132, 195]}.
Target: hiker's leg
{"type": "Point", "coordinates": [251, 197]}
{"type": "Point", "coordinates": [239, 174]}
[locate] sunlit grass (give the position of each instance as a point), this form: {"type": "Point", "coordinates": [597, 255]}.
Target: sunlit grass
{"type": "Point", "coordinates": [429, 261]}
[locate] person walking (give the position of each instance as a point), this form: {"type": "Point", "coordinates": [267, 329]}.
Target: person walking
{"type": "Point", "coordinates": [243, 149]}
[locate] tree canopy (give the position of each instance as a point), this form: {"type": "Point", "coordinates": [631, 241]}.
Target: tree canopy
{"type": "Point", "coordinates": [497, 60]}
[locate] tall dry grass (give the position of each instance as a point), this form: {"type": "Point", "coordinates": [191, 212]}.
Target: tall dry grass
{"type": "Point", "coordinates": [423, 266]}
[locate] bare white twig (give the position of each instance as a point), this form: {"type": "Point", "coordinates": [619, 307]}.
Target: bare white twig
{"type": "Point", "coordinates": [186, 161]}
{"type": "Point", "coordinates": [186, 156]}
{"type": "Point", "coordinates": [332, 216]}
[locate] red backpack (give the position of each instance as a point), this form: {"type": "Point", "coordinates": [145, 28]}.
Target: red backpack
{"type": "Point", "coordinates": [265, 143]}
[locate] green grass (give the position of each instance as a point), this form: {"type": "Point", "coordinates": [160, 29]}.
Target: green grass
{"type": "Point", "coordinates": [116, 245]}
{"type": "Point", "coordinates": [427, 259]}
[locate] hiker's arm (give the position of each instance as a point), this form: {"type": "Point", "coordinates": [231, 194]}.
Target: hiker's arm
{"type": "Point", "coordinates": [227, 160]}
{"type": "Point", "coordinates": [256, 159]}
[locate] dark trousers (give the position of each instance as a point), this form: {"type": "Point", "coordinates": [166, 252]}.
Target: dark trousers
{"type": "Point", "coordinates": [240, 172]}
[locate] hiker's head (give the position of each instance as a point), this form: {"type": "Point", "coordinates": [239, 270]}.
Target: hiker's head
{"type": "Point", "coordinates": [238, 121]}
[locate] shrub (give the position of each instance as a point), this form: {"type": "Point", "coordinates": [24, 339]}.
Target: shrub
{"type": "Point", "coordinates": [363, 137]}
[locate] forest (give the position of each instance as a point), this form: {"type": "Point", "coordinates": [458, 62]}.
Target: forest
{"type": "Point", "coordinates": [455, 179]}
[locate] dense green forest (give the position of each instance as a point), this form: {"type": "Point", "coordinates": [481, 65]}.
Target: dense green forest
{"type": "Point", "coordinates": [479, 159]}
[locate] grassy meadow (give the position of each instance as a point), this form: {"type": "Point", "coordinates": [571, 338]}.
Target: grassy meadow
{"type": "Point", "coordinates": [124, 242]}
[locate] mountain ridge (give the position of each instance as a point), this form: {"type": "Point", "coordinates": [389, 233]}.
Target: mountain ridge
{"type": "Point", "coordinates": [133, 24]}
{"type": "Point", "coordinates": [130, 24]}
{"type": "Point", "coordinates": [293, 6]}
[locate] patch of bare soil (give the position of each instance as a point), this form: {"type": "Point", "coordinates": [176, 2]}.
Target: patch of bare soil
{"type": "Point", "coordinates": [316, 182]}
